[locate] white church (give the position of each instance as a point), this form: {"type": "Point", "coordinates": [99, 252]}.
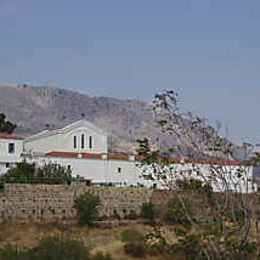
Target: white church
{"type": "Point", "coordinates": [83, 148]}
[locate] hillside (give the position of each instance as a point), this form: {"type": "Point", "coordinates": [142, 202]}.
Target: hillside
{"type": "Point", "coordinates": [34, 109]}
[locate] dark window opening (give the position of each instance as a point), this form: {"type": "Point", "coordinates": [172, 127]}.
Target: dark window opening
{"type": "Point", "coordinates": [90, 142]}
{"type": "Point", "coordinates": [119, 169]}
{"type": "Point", "coordinates": [88, 182]}
{"type": "Point", "coordinates": [82, 142]}
{"type": "Point", "coordinates": [7, 165]}
{"type": "Point", "coordinates": [69, 167]}
{"type": "Point", "coordinates": [11, 148]}
{"type": "Point", "coordinates": [75, 142]}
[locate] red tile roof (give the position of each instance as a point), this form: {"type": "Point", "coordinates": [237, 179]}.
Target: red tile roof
{"type": "Point", "coordinates": [115, 156]}
{"type": "Point", "coordinates": [91, 156]}
{"type": "Point", "coordinates": [62, 154]}
{"type": "Point", "coordinates": [10, 136]}
{"type": "Point", "coordinates": [111, 156]}
{"type": "Point", "coordinates": [174, 160]}
{"type": "Point", "coordinates": [74, 155]}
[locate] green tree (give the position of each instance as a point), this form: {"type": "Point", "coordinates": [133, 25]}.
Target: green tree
{"type": "Point", "coordinates": [148, 211]}
{"type": "Point", "coordinates": [22, 173]}
{"type": "Point", "coordinates": [87, 206]}
{"type": "Point", "coordinates": [28, 173]}
{"type": "Point", "coordinates": [59, 247]}
{"type": "Point", "coordinates": [54, 174]}
{"type": "Point", "coordinates": [6, 126]}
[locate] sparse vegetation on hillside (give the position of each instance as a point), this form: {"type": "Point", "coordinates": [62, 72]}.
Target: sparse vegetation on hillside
{"type": "Point", "coordinates": [53, 248]}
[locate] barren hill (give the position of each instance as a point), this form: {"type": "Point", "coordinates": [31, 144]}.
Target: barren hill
{"type": "Point", "coordinates": [37, 108]}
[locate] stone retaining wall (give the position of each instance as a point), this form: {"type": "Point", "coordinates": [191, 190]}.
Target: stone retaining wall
{"type": "Point", "coordinates": [55, 202]}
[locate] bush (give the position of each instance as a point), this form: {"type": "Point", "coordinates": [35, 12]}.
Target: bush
{"type": "Point", "coordinates": [131, 235]}
{"type": "Point", "coordinates": [10, 252]}
{"type": "Point", "coordinates": [189, 184]}
{"type": "Point", "coordinates": [178, 210]}
{"type": "Point", "coordinates": [155, 242]}
{"type": "Point", "coordinates": [28, 173]}
{"type": "Point", "coordinates": [148, 211]}
{"type": "Point", "coordinates": [86, 206]}
{"type": "Point", "coordinates": [51, 248]}
{"type": "Point", "coordinates": [22, 173]}
{"type": "Point", "coordinates": [54, 174]}
{"type": "Point", "coordinates": [189, 247]}
{"type": "Point", "coordinates": [58, 247]}
{"type": "Point", "coordinates": [135, 249]}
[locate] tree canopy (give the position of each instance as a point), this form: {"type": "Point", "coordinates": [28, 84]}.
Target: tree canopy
{"type": "Point", "coordinates": [6, 126]}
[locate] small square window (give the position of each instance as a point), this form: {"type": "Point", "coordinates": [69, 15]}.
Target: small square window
{"type": "Point", "coordinates": [7, 165]}
{"type": "Point", "coordinates": [11, 148]}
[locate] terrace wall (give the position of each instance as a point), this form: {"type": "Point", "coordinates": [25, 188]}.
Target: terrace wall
{"type": "Point", "coordinates": [55, 202]}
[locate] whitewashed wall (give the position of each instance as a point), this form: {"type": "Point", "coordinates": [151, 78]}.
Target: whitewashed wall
{"type": "Point", "coordinates": [7, 158]}
{"type": "Point", "coordinates": [226, 177]}
{"type": "Point", "coordinates": [98, 170]}
{"type": "Point", "coordinates": [63, 140]}
{"type": "Point", "coordinates": [44, 144]}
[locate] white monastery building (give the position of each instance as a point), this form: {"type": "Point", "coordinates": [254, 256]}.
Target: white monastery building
{"type": "Point", "coordinates": [83, 148]}
{"type": "Point", "coordinates": [11, 150]}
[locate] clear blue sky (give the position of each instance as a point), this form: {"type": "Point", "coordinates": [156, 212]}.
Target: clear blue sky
{"type": "Point", "coordinates": [208, 50]}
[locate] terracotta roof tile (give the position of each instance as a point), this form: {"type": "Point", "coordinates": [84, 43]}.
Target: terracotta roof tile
{"type": "Point", "coordinates": [115, 156]}
{"type": "Point", "coordinates": [10, 136]}
{"type": "Point", "coordinates": [111, 156]}
{"type": "Point", "coordinates": [74, 155]}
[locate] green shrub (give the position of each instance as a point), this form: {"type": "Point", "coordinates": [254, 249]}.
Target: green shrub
{"type": "Point", "coordinates": [131, 235]}
{"type": "Point", "coordinates": [22, 173]}
{"type": "Point", "coordinates": [51, 248]}
{"type": "Point", "coordinates": [101, 256]}
{"type": "Point", "coordinates": [189, 184]}
{"type": "Point", "coordinates": [10, 252]}
{"type": "Point", "coordinates": [135, 249]}
{"type": "Point", "coordinates": [58, 247]}
{"type": "Point", "coordinates": [148, 211]}
{"type": "Point", "coordinates": [235, 249]}
{"type": "Point", "coordinates": [86, 206]}
{"type": "Point", "coordinates": [28, 173]}
{"type": "Point", "coordinates": [155, 242]}
{"type": "Point", "coordinates": [189, 247]}
{"type": "Point", "coordinates": [54, 174]}
{"type": "Point", "coordinates": [178, 210]}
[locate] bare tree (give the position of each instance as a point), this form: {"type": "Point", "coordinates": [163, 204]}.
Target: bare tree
{"type": "Point", "coordinates": [228, 190]}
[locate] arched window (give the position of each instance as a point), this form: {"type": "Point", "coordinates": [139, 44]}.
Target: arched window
{"type": "Point", "coordinates": [82, 141]}
{"type": "Point", "coordinates": [75, 142]}
{"type": "Point", "coordinates": [90, 142]}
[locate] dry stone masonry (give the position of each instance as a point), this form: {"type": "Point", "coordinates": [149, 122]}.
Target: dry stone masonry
{"type": "Point", "coordinates": [55, 202]}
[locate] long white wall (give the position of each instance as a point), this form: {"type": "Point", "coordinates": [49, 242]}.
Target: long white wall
{"type": "Point", "coordinates": [117, 172]}
{"type": "Point", "coordinates": [127, 172]}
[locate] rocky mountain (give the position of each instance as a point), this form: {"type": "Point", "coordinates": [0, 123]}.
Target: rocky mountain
{"type": "Point", "coordinates": [34, 109]}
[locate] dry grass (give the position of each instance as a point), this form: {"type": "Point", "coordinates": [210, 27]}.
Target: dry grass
{"type": "Point", "coordinates": [108, 240]}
